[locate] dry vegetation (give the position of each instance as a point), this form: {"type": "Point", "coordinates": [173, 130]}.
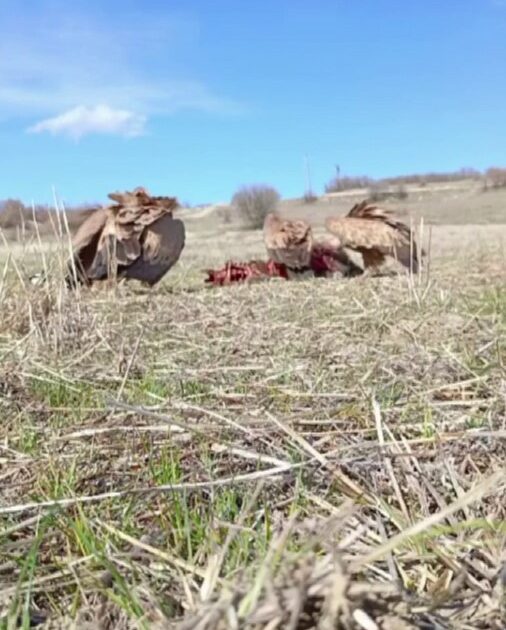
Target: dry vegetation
{"type": "Point", "coordinates": [253, 204]}
{"type": "Point", "coordinates": [347, 182]}
{"type": "Point", "coordinates": [314, 454]}
{"type": "Point", "coordinates": [16, 216]}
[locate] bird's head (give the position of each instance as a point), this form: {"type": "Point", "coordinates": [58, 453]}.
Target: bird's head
{"type": "Point", "coordinates": [272, 222]}
{"type": "Point", "coordinates": [138, 194]}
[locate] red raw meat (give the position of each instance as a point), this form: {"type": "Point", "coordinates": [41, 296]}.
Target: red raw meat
{"type": "Point", "coordinates": [245, 271]}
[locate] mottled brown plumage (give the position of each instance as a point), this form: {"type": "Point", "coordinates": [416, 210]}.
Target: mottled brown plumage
{"type": "Point", "coordinates": [136, 237]}
{"type": "Point", "coordinates": [374, 233]}
{"type": "Point", "coordinates": [288, 242]}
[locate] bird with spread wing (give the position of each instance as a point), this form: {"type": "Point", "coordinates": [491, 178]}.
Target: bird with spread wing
{"type": "Point", "coordinates": [136, 237]}
{"type": "Point", "coordinates": [376, 234]}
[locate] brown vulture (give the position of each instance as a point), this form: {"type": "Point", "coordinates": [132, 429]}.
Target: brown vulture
{"type": "Point", "coordinates": [288, 242]}
{"type": "Point", "coordinates": [136, 237]}
{"type": "Point", "coordinates": [291, 244]}
{"type": "Point", "coordinates": [375, 234]}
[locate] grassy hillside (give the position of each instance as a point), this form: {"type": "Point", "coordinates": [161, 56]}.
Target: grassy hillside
{"type": "Point", "coordinates": [457, 203]}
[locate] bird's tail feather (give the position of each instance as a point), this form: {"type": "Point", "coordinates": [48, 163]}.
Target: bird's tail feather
{"type": "Point", "coordinates": [408, 256]}
{"type": "Point", "coordinates": [366, 210]}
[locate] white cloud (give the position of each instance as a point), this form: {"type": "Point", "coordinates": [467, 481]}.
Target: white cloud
{"type": "Point", "coordinates": [58, 58]}
{"type": "Point", "coordinates": [81, 121]}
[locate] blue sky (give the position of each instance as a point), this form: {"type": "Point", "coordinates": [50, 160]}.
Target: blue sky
{"type": "Point", "coordinates": [196, 98]}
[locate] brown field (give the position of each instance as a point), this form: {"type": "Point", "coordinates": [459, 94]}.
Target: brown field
{"type": "Point", "coordinates": [314, 454]}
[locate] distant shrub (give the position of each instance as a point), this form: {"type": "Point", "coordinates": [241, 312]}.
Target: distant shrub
{"type": "Point", "coordinates": [13, 213]}
{"type": "Point", "coordinates": [254, 202]}
{"type": "Point", "coordinates": [434, 177]}
{"type": "Point", "coordinates": [338, 184]}
{"type": "Point", "coordinates": [495, 177]}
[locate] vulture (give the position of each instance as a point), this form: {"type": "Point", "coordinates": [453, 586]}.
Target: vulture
{"type": "Point", "coordinates": [291, 243]}
{"type": "Point", "coordinates": [375, 234]}
{"type": "Point", "coordinates": [136, 237]}
{"type": "Point", "coordinates": [292, 251]}
{"type": "Point", "coordinates": [288, 243]}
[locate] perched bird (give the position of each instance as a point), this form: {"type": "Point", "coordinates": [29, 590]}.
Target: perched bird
{"type": "Point", "coordinates": [136, 237]}
{"type": "Point", "coordinates": [288, 243]}
{"type": "Point", "coordinates": [375, 234]}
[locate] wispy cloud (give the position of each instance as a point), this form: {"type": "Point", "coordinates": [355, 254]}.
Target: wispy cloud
{"type": "Point", "coordinates": [58, 64]}
{"type": "Point", "coordinates": [82, 121]}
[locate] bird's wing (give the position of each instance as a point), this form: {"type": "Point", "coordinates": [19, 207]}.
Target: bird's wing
{"type": "Point", "coordinates": [85, 240]}
{"type": "Point", "coordinates": [364, 233]}
{"type": "Point", "coordinates": [134, 211]}
{"type": "Point", "coordinates": [89, 228]}
{"type": "Point", "coordinates": [289, 242]}
{"type": "Point", "coordinates": [127, 220]}
{"type": "Point", "coordinates": [365, 210]}
{"type": "Point", "coordinates": [367, 227]}
{"type": "Point", "coordinates": [164, 241]}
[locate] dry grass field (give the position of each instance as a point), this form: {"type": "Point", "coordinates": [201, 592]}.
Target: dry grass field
{"type": "Point", "coordinates": [315, 454]}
